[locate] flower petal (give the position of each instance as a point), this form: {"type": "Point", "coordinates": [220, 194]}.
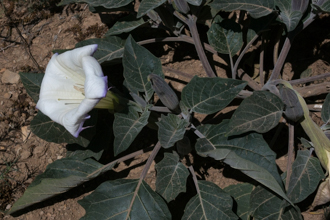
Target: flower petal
{"type": "Point", "coordinates": [96, 85]}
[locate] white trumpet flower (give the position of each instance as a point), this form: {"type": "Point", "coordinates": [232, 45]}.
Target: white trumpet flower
{"type": "Point", "coordinates": [72, 86]}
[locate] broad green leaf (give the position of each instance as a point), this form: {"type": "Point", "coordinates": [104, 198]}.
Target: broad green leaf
{"type": "Point", "coordinates": [241, 193]}
{"type": "Point", "coordinates": [323, 5]}
{"type": "Point", "coordinates": [251, 147]}
{"type": "Point", "coordinates": [59, 176]}
{"type": "Point", "coordinates": [126, 127]}
{"type": "Point", "coordinates": [225, 36]}
{"type": "Point", "coordinates": [32, 83]}
{"type": "Point", "coordinates": [148, 5]}
{"type": "Point", "coordinates": [209, 95]}
{"type": "Point", "coordinates": [306, 176]}
{"type": "Point", "coordinates": [171, 129]}
{"type": "Point", "coordinates": [210, 203]}
{"type": "Point", "coordinates": [138, 64]}
{"type": "Point", "coordinates": [109, 48]}
{"type": "Point", "coordinates": [195, 2]}
{"type": "Point", "coordinates": [293, 109]}
{"type": "Point", "coordinates": [171, 176]}
{"type": "Point", "coordinates": [256, 8]}
{"type": "Point", "coordinates": [95, 3]}
{"type": "Point", "coordinates": [288, 16]}
{"type": "Point", "coordinates": [268, 206]}
{"type": "Point", "coordinates": [50, 131]}
{"type": "Point", "coordinates": [325, 113]}
{"type": "Point", "coordinates": [124, 199]}
{"type": "Point", "coordinates": [260, 112]}
{"type": "Point", "coordinates": [125, 25]}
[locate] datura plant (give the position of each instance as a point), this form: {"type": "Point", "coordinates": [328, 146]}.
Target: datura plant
{"type": "Point", "coordinates": [245, 142]}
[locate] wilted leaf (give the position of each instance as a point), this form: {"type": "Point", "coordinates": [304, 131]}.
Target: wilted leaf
{"type": "Point", "coordinates": [256, 8]}
{"type": "Point", "coordinates": [202, 206]}
{"type": "Point", "coordinates": [32, 83]}
{"type": "Point", "coordinates": [147, 5]}
{"type": "Point", "coordinates": [209, 95]}
{"type": "Point", "coordinates": [125, 25]}
{"type": "Point", "coordinates": [138, 64]}
{"type": "Point", "coordinates": [50, 131]}
{"type": "Point", "coordinates": [268, 206]}
{"type": "Point", "coordinates": [124, 199]}
{"type": "Point", "coordinates": [109, 48]}
{"type": "Point", "coordinates": [126, 127]}
{"type": "Point", "coordinates": [306, 176]}
{"type": "Point", "coordinates": [171, 129]}
{"type": "Point", "coordinates": [241, 193]}
{"type": "Point", "coordinates": [59, 177]}
{"type": "Point", "coordinates": [94, 3]}
{"type": "Point", "coordinates": [259, 112]}
{"type": "Point", "coordinates": [225, 36]}
{"type": "Point", "coordinates": [171, 176]}
{"type": "Point", "coordinates": [251, 147]}
{"type": "Point", "coordinates": [323, 194]}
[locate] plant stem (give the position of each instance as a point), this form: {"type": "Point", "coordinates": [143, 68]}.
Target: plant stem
{"type": "Point", "coordinates": [309, 79]}
{"type": "Point", "coordinates": [191, 22]}
{"type": "Point", "coordinates": [126, 157]}
{"type": "Point", "coordinates": [261, 62]}
{"type": "Point", "coordinates": [290, 155]}
{"type": "Point", "coordinates": [143, 174]}
{"type": "Point", "coordinates": [192, 171]}
{"type": "Point", "coordinates": [234, 69]}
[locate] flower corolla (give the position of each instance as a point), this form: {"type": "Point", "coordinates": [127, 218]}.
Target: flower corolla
{"type": "Point", "coordinates": [72, 86]}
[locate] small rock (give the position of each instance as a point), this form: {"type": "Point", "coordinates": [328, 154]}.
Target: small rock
{"type": "Point", "coordinates": [25, 133]}
{"type": "Point", "coordinates": [7, 95]}
{"type": "Point", "coordinates": [25, 154]}
{"type": "Point", "coordinates": [16, 113]}
{"type": "Point", "coordinates": [59, 157]}
{"type": "Point", "coordinates": [50, 160]}
{"type": "Point", "coordinates": [8, 206]}
{"type": "Point", "coordinates": [41, 213]}
{"type": "Point", "coordinates": [38, 149]}
{"type": "Point", "coordinates": [10, 77]}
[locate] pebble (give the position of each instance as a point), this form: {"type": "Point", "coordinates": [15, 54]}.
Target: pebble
{"type": "Point", "coordinates": [38, 149]}
{"type": "Point", "coordinates": [8, 206]}
{"type": "Point", "coordinates": [59, 157]}
{"type": "Point", "coordinates": [50, 160]}
{"type": "Point", "coordinates": [10, 77]}
{"type": "Point", "coordinates": [7, 96]}
{"type": "Point", "coordinates": [25, 154]}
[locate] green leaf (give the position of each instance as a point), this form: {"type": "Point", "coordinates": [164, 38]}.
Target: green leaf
{"type": "Point", "coordinates": [59, 177]}
{"type": "Point", "coordinates": [325, 113]}
{"type": "Point", "coordinates": [241, 193]}
{"type": "Point", "coordinates": [260, 112]}
{"type": "Point", "coordinates": [127, 126]}
{"type": "Point", "coordinates": [138, 63]}
{"type": "Point", "coordinates": [195, 2]}
{"type": "Point", "coordinates": [148, 5]}
{"type": "Point", "coordinates": [50, 131]}
{"type": "Point", "coordinates": [306, 175]}
{"type": "Point", "coordinates": [267, 206]}
{"type": "Point", "coordinates": [95, 3]}
{"type": "Point", "coordinates": [288, 16]}
{"type": "Point", "coordinates": [293, 109]}
{"type": "Point", "coordinates": [225, 36]}
{"type": "Point", "coordinates": [250, 150]}
{"type": "Point", "coordinates": [256, 8]}
{"type": "Point", "coordinates": [32, 83]}
{"type": "Point", "coordinates": [124, 199]}
{"type": "Point", "coordinates": [209, 95]}
{"type": "Point", "coordinates": [171, 176]}
{"type": "Point", "coordinates": [109, 48]}
{"type": "Point", "coordinates": [323, 5]}
{"type": "Point", "coordinates": [210, 203]}
{"type": "Point", "coordinates": [171, 129]}
{"type": "Point", "coordinates": [125, 25]}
